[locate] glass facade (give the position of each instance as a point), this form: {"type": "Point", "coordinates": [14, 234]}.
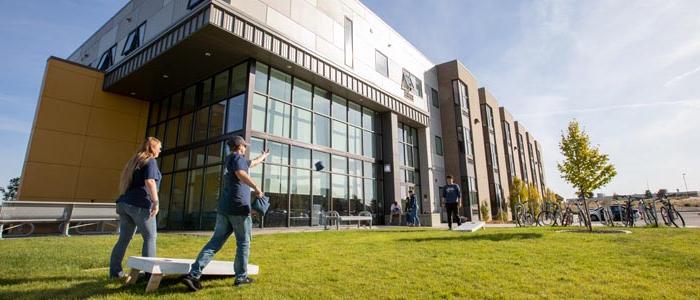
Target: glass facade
{"type": "Point", "coordinates": [305, 126]}
{"type": "Point", "coordinates": [409, 159]}
{"type": "Point", "coordinates": [193, 124]}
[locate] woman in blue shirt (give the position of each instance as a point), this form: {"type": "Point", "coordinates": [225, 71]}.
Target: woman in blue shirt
{"type": "Point", "coordinates": [137, 205]}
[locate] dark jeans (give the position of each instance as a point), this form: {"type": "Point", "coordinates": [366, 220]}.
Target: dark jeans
{"type": "Point", "coordinates": [131, 218]}
{"type": "Point", "coordinates": [453, 210]}
{"type": "Point", "coordinates": [241, 227]}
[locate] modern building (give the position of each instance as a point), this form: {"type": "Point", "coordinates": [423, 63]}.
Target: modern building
{"type": "Point", "coordinates": [313, 81]}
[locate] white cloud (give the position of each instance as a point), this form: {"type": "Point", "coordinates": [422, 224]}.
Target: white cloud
{"type": "Point", "coordinates": [680, 77]}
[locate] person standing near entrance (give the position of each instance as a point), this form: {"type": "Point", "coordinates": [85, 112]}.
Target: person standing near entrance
{"type": "Point", "coordinates": [137, 205]}
{"type": "Point", "coordinates": [452, 201]}
{"type": "Point", "coordinates": [232, 216]}
{"type": "Point", "coordinates": [413, 209]}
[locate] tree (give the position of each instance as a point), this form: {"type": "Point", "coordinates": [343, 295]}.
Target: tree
{"type": "Point", "coordinates": [518, 194]}
{"type": "Point", "coordinates": [10, 193]}
{"type": "Point", "coordinates": [584, 166]}
{"type": "Point", "coordinates": [534, 199]}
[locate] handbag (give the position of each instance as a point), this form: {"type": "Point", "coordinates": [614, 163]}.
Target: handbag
{"type": "Point", "coordinates": [261, 204]}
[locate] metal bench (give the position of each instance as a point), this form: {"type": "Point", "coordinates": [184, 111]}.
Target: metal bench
{"type": "Point", "coordinates": [22, 215]}
{"type": "Point", "coordinates": [335, 216]}
{"type": "Point", "coordinates": [159, 267]}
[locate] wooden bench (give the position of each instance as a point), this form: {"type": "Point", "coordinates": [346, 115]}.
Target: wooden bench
{"type": "Point", "coordinates": [159, 267]}
{"type": "Point", "coordinates": [22, 215]}
{"type": "Point", "coordinates": [334, 215]}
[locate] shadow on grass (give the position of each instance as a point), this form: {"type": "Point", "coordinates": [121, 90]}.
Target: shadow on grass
{"type": "Point", "coordinates": [494, 237]}
{"type": "Point", "coordinates": [82, 287]}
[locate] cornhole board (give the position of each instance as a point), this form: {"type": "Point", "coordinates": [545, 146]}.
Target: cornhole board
{"type": "Point", "coordinates": [158, 267]}
{"type": "Point", "coordinates": [470, 226]}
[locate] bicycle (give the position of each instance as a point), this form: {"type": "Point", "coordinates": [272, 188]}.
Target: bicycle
{"type": "Point", "coordinates": [606, 217]}
{"type": "Point", "coordinates": [548, 217]}
{"type": "Point", "coordinates": [669, 213]}
{"type": "Point", "coordinates": [647, 209]}
{"type": "Point", "coordinates": [523, 216]}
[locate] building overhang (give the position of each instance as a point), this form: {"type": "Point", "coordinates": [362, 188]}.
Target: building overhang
{"type": "Point", "coordinates": [216, 37]}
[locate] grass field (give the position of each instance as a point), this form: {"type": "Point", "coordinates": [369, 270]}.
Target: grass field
{"type": "Point", "coordinates": [383, 264]}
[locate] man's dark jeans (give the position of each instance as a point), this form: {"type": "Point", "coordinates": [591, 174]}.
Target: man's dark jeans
{"type": "Point", "coordinates": [452, 210]}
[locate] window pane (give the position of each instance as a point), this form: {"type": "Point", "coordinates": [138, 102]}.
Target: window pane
{"type": "Point", "coordinates": [302, 93]}
{"type": "Point", "coordinates": [275, 187]}
{"type": "Point", "coordinates": [340, 136]}
{"type": "Point", "coordinates": [367, 119]}
{"type": "Point", "coordinates": [153, 113]}
{"type": "Point", "coordinates": [369, 170]}
{"type": "Point", "coordinates": [355, 167]}
{"type": "Point", "coordinates": [340, 108]}
{"type": "Point", "coordinates": [259, 111]}
{"type": "Point", "coordinates": [356, 195]}
{"type": "Point", "coordinates": [160, 133]}
{"type": "Point", "coordinates": [164, 197]}
{"type": "Point", "coordinates": [322, 101]}
{"type": "Point", "coordinates": [214, 153]}
{"type": "Point", "coordinates": [340, 193]}
{"type": "Point", "coordinates": [194, 198]}
{"type": "Point", "coordinates": [368, 144]}
{"type": "Point", "coordinates": [175, 105]}
{"type": "Point", "coordinates": [197, 157]}
{"type": "Point", "coordinates": [236, 113]}
{"type": "Point", "coordinates": [261, 77]}
{"type": "Point", "coordinates": [216, 125]}
{"type": "Point", "coordinates": [171, 134]}
{"type": "Point", "coordinates": [300, 190]}
{"type": "Point", "coordinates": [212, 184]}
{"type": "Point", "coordinates": [168, 162]}
{"type": "Point", "coordinates": [206, 92]}
{"type": "Point", "coordinates": [355, 140]}
{"type": "Point", "coordinates": [371, 196]}
{"type": "Point", "coordinates": [221, 86]}
{"type": "Point", "coordinates": [278, 114]}
{"type": "Point", "coordinates": [181, 160]}
{"type": "Point", "coordinates": [348, 42]}
{"type": "Point", "coordinates": [322, 158]}
{"type": "Point", "coordinates": [185, 132]}
{"type": "Point", "coordinates": [321, 194]}
{"type": "Point", "coordinates": [164, 110]}
{"type": "Point", "coordinates": [354, 114]}
{"type": "Point", "coordinates": [301, 157]}
{"type": "Point", "coordinates": [381, 63]}
{"type": "Point", "coordinates": [177, 201]}
{"type": "Point", "coordinates": [339, 164]}
{"type": "Point", "coordinates": [201, 124]}
{"type": "Point", "coordinates": [256, 147]}
{"type": "Point", "coordinates": [438, 145]}
{"type": "Point", "coordinates": [240, 74]}
{"type": "Point", "coordinates": [189, 99]}
{"type": "Point", "coordinates": [301, 125]}
{"type": "Point", "coordinates": [322, 130]}
{"type": "Point", "coordinates": [280, 85]}
{"type": "Point", "coordinates": [279, 153]}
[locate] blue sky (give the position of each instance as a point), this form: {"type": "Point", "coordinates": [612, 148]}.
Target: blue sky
{"type": "Point", "coordinates": [629, 71]}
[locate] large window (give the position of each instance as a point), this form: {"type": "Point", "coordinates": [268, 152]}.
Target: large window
{"type": "Point", "coordinates": [192, 3]}
{"type": "Point", "coordinates": [411, 84]}
{"type": "Point", "coordinates": [460, 94]}
{"type": "Point", "coordinates": [381, 63]}
{"type": "Point", "coordinates": [107, 58]}
{"type": "Point", "coordinates": [435, 98]}
{"type": "Point", "coordinates": [438, 145]}
{"type": "Point", "coordinates": [409, 159]}
{"type": "Point", "coordinates": [135, 39]}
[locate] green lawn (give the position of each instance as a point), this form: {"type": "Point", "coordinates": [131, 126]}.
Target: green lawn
{"type": "Point", "coordinates": [380, 264]}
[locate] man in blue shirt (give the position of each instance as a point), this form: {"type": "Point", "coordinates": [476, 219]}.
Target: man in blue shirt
{"type": "Point", "coordinates": [452, 201]}
{"type": "Point", "coordinates": [232, 217]}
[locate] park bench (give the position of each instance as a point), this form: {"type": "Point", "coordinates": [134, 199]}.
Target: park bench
{"type": "Point", "coordinates": [335, 216]}
{"type": "Point", "coordinates": [159, 267]}
{"type": "Point", "coordinates": [22, 215]}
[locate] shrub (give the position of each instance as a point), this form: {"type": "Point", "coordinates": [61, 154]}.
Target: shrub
{"type": "Point", "coordinates": [484, 211]}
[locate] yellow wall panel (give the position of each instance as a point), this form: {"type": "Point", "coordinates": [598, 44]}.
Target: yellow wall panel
{"type": "Point", "coordinates": [101, 185]}
{"type": "Point", "coordinates": [105, 153]}
{"type": "Point", "coordinates": [61, 83]}
{"type": "Point", "coordinates": [113, 124]}
{"type": "Point", "coordinates": [48, 181]}
{"type": "Point", "coordinates": [116, 102]}
{"type": "Point", "coordinates": [62, 115]}
{"type": "Point", "coordinates": [55, 147]}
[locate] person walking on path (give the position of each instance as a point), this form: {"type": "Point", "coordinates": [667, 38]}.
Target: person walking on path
{"type": "Point", "coordinates": [452, 201]}
{"type": "Point", "coordinates": [232, 217]}
{"type": "Point", "coordinates": [137, 205]}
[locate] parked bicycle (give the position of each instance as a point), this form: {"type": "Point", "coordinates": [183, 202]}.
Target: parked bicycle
{"type": "Point", "coordinates": [603, 214]}
{"type": "Point", "coordinates": [647, 210]}
{"type": "Point", "coordinates": [669, 214]}
{"type": "Point", "coordinates": [523, 216]}
{"type": "Point", "coordinates": [551, 215]}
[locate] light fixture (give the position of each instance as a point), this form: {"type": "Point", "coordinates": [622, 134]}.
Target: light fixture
{"type": "Point", "coordinates": [289, 66]}
{"type": "Point", "coordinates": [207, 54]}
{"type": "Point", "coordinates": [476, 121]}
{"type": "Point", "coordinates": [165, 76]}
{"type": "Point", "coordinates": [387, 168]}
{"type": "Point", "coordinates": [132, 93]}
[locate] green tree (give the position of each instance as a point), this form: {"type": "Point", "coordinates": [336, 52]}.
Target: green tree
{"type": "Point", "coordinates": [584, 166]}
{"type": "Point", "coordinates": [10, 193]}
{"type": "Point", "coordinates": [518, 194]}
{"type": "Point", "coordinates": [534, 199]}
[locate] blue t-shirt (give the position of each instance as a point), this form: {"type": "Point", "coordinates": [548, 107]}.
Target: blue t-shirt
{"type": "Point", "coordinates": [451, 193]}
{"type": "Point", "coordinates": [137, 192]}
{"type": "Point", "coordinates": [235, 198]}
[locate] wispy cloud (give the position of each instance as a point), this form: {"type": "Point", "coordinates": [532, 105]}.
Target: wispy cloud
{"type": "Point", "coordinates": [15, 125]}
{"type": "Point", "coordinates": [679, 78]}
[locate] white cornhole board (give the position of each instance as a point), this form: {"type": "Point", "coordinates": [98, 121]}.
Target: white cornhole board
{"type": "Point", "coordinates": [470, 226]}
{"type": "Point", "coordinates": [159, 266]}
